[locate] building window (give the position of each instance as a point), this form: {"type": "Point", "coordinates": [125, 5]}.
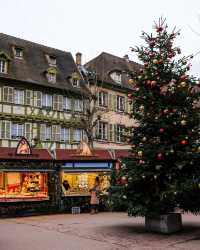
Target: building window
{"type": "Point", "coordinates": [120, 103]}
{"type": "Point", "coordinates": [120, 133]}
{"type": "Point", "coordinates": [18, 52]}
{"type": "Point", "coordinates": [103, 99]}
{"type": "Point", "coordinates": [29, 97]}
{"type": "Point", "coordinates": [78, 105]}
{"type": "Point", "coordinates": [17, 130]}
{"type": "Point", "coordinates": [77, 135]}
{"type": "Point", "coordinates": [45, 132]}
{"type": "Point", "coordinates": [65, 134]}
{"type": "Point", "coordinates": [76, 82]}
{"type": "Point", "coordinates": [8, 94]}
{"type": "Point", "coordinates": [102, 130]}
{"type": "Point", "coordinates": [52, 60]}
{"type": "Point", "coordinates": [47, 100]}
{"type": "Point", "coordinates": [58, 102]}
{"type": "Point", "coordinates": [28, 131]}
{"type": "Point", "coordinates": [5, 129]}
{"type": "Point", "coordinates": [56, 131]}
{"type": "Point", "coordinates": [18, 96]}
{"type": "Point", "coordinates": [3, 66]}
{"type": "Point", "coordinates": [116, 76]}
{"type": "Point", "coordinates": [37, 99]}
{"type": "Point", "coordinates": [51, 77]}
{"type": "Point", "coordinates": [67, 103]}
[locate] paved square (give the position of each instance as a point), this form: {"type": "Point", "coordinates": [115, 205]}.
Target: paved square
{"type": "Point", "coordinates": [104, 231]}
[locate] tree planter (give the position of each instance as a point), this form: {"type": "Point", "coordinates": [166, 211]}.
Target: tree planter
{"type": "Point", "coordinates": [167, 223]}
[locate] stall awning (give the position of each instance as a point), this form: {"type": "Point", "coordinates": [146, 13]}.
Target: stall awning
{"type": "Point", "coordinates": [97, 155]}
{"type": "Point", "coordinates": [7, 153]}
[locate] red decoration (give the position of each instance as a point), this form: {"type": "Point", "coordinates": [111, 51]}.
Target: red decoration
{"type": "Point", "coordinates": [130, 96]}
{"type": "Point", "coordinates": [153, 83]}
{"type": "Point", "coordinates": [152, 44]}
{"type": "Point", "coordinates": [23, 147]}
{"type": "Point", "coordinates": [184, 142]}
{"type": "Point", "coordinates": [146, 64]}
{"type": "Point", "coordinates": [123, 179]}
{"type": "Point", "coordinates": [161, 130]}
{"type": "Point", "coordinates": [159, 29]}
{"type": "Point", "coordinates": [183, 77]}
{"type": "Point", "coordinates": [160, 156]}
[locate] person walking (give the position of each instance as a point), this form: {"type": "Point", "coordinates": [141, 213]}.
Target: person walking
{"type": "Point", "coordinates": [94, 201]}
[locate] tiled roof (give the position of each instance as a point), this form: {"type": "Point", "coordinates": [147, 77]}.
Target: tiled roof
{"type": "Point", "coordinates": [31, 69]}
{"type": "Point", "coordinates": [37, 154]}
{"type": "Point", "coordinates": [106, 63]}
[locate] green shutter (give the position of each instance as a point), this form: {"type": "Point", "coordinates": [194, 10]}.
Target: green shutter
{"type": "Point", "coordinates": [114, 102]}
{"type": "Point", "coordinates": [126, 105]}
{"type": "Point", "coordinates": [115, 132]}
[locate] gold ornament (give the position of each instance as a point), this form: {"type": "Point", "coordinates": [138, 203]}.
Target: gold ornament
{"type": "Point", "coordinates": [199, 185]}
{"type": "Point", "coordinates": [155, 61]}
{"type": "Point", "coordinates": [140, 153]}
{"type": "Point", "coordinates": [198, 149]}
{"type": "Point", "coordinates": [130, 81]}
{"type": "Point", "coordinates": [183, 84]}
{"type": "Point", "coordinates": [141, 108]}
{"type": "Point", "coordinates": [183, 122]}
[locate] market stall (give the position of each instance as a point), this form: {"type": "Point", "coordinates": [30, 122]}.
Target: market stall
{"type": "Point", "coordinates": [25, 177]}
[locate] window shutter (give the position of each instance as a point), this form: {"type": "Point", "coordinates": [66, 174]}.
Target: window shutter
{"type": "Point", "coordinates": [28, 131]}
{"type": "Point", "coordinates": [110, 103]}
{"type": "Point", "coordinates": [5, 94]}
{"type": "Point", "coordinates": [29, 97]}
{"type": "Point", "coordinates": [37, 99]}
{"type": "Point", "coordinates": [8, 94]}
{"type": "Point", "coordinates": [126, 105]}
{"type": "Point", "coordinates": [110, 133]}
{"type": "Point", "coordinates": [60, 102]}
{"type": "Point", "coordinates": [42, 132]}
{"type": "Point", "coordinates": [55, 102]}
{"type": "Point", "coordinates": [114, 101]}
{"type": "Point", "coordinates": [56, 131]}
{"type": "Point", "coordinates": [71, 135]}
{"type": "Point", "coordinates": [115, 132]}
{"type": "Point", "coordinates": [5, 129]}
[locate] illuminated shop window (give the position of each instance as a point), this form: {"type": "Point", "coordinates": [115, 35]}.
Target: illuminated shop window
{"type": "Point", "coordinates": [22, 185]}
{"type": "Point", "coordinates": [81, 183]}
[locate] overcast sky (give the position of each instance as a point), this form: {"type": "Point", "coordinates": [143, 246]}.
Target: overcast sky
{"type": "Point", "coordinates": [93, 26]}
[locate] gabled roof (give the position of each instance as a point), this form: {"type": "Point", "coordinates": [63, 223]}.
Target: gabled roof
{"type": "Point", "coordinates": [105, 63]}
{"type": "Point", "coordinates": [31, 69]}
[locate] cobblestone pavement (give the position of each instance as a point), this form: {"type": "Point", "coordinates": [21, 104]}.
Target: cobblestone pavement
{"type": "Point", "coordinates": [103, 231]}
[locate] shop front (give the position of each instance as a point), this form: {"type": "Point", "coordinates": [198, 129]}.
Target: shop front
{"type": "Point", "coordinates": [27, 180]}
{"type": "Point", "coordinates": [78, 173]}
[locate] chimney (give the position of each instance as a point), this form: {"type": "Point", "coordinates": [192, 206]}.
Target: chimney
{"type": "Point", "coordinates": [78, 59]}
{"type": "Point", "coordinates": [126, 58]}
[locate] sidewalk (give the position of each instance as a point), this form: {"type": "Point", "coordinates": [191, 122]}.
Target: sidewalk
{"type": "Point", "coordinates": [104, 231]}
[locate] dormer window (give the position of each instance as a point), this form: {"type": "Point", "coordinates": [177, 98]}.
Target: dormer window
{"type": "Point", "coordinates": [3, 66]}
{"type": "Point", "coordinates": [116, 76]}
{"type": "Point", "coordinates": [4, 59]}
{"type": "Point", "coordinates": [51, 75]}
{"type": "Point", "coordinates": [18, 52]}
{"type": "Point", "coordinates": [51, 60]}
{"type": "Point", "coordinates": [75, 79]}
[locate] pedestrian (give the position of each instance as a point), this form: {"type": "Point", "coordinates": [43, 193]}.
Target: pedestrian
{"type": "Point", "coordinates": [94, 201]}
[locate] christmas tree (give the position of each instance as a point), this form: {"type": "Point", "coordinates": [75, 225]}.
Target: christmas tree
{"type": "Point", "coordinates": [163, 170]}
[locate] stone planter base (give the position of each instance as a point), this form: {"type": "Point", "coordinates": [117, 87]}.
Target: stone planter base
{"type": "Point", "coordinates": [168, 223]}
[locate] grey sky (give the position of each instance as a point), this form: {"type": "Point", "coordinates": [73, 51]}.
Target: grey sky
{"type": "Point", "coordinates": [92, 26]}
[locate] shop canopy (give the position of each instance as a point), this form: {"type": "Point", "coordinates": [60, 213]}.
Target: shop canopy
{"type": "Point", "coordinates": [36, 154]}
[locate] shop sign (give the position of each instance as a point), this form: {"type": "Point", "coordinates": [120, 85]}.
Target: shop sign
{"type": "Point", "coordinates": [23, 147]}
{"type": "Point", "coordinates": [85, 165]}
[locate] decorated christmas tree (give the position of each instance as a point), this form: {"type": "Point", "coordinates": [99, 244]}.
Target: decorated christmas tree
{"type": "Point", "coordinates": [163, 170]}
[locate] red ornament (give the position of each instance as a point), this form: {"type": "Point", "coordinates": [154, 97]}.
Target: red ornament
{"type": "Point", "coordinates": [166, 111]}
{"type": "Point", "coordinates": [160, 156]}
{"type": "Point", "coordinates": [183, 77]}
{"type": "Point", "coordinates": [152, 44]}
{"type": "Point", "coordinates": [161, 130]}
{"type": "Point", "coordinates": [124, 179]}
{"type": "Point", "coordinates": [146, 64]}
{"type": "Point", "coordinates": [153, 83]}
{"type": "Point", "coordinates": [130, 96]}
{"type": "Point", "coordinates": [184, 142]}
